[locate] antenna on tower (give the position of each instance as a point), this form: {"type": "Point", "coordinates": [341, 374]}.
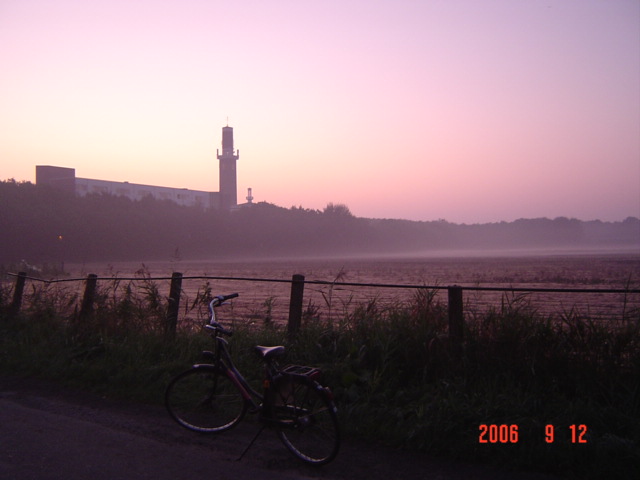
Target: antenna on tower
{"type": "Point", "coordinates": [227, 120]}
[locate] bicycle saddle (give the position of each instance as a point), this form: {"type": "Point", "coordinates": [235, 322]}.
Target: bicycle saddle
{"type": "Point", "coordinates": [267, 353]}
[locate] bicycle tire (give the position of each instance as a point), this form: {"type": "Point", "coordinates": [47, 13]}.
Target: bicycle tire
{"type": "Point", "coordinates": [306, 419]}
{"type": "Point", "coordinates": [205, 400]}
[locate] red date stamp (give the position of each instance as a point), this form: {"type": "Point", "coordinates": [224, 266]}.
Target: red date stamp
{"type": "Point", "coordinates": [509, 433]}
{"type": "Point", "coordinates": [498, 434]}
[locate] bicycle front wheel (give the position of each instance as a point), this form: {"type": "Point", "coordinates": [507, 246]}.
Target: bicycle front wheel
{"type": "Point", "coordinates": [306, 419]}
{"type": "Point", "coordinates": [205, 400]}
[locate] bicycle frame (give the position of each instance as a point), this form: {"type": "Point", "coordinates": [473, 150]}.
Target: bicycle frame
{"type": "Point", "coordinates": [223, 361]}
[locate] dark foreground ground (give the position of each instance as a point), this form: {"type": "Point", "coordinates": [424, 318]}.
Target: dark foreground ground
{"type": "Point", "coordinates": [53, 433]}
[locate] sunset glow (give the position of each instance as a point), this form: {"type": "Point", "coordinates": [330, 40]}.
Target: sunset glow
{"type": "Point", "coordinates": [469, 111]}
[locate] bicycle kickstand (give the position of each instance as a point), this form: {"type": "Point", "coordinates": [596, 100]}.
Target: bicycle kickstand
{"type": "Point", "coordinates": [251, 443]}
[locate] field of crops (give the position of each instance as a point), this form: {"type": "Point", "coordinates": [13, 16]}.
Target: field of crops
{"type": "Point", "coordinates": [261, 299]}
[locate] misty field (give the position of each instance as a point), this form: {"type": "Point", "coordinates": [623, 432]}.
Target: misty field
{"type": "Point", "coordinates": [259, 300]}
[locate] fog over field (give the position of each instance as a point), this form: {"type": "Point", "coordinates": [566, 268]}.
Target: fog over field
{"type": "Point", "coordinates": [43, 225]}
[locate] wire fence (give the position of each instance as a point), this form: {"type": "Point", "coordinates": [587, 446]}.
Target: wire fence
{"type": "Point", "coordinates": [270, 297]}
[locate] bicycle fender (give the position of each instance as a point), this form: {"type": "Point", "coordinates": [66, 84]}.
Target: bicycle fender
{"type": "Point", "coordinates": [204, 365]}
{"type": "Point", "coordinates": [327, 394]}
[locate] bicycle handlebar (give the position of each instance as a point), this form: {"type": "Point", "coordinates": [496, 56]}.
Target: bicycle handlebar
{"type": "Point", "coordinates": [216, 302]}
{"type": "Point", "coordinates": [223, 298]}
{"type": "Point", "coordinates": [219, 300]}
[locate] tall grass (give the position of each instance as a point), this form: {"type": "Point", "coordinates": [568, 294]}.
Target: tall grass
{"type": "Point", "coordinates": [395, 376]}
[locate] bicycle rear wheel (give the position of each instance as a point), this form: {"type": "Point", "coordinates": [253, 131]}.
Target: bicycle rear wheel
{"type": "Point", "coordinates": [306, 419]}
{"type": "Point", "coordinates": [204, 400]}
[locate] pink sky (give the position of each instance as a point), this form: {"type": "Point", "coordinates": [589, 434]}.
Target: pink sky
{"type": "Point", "coordinates": [469, 111]}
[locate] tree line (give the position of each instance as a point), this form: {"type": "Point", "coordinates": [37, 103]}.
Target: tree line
{"type": "Point", "coordinates": [40, 224]}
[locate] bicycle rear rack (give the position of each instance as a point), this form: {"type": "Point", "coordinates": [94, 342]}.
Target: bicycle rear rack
{"type": "Point", "coordinates": [303, 371]}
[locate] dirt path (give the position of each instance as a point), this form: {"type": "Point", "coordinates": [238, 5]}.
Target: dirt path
{"type": "Point", "coordinates": [52, 433]}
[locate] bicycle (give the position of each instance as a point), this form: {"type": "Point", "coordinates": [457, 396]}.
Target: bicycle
{"type": "Point", "coordinates": [214, 397]}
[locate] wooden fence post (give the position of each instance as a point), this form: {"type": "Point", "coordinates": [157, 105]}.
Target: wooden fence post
{"type": "Point", "coordinates": [295, 304]}
{"type": "Point", "coordinates": [174, 305]}
{"type": "Point", "coordinates": [456, 317]}
{"type": "Point", "coordinates": [14, 309]}
{"type": "Point", "coordinates": [89, 295]}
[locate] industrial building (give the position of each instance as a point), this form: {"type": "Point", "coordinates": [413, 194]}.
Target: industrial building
{"type": "Point", "coordinates": [226, 198]}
